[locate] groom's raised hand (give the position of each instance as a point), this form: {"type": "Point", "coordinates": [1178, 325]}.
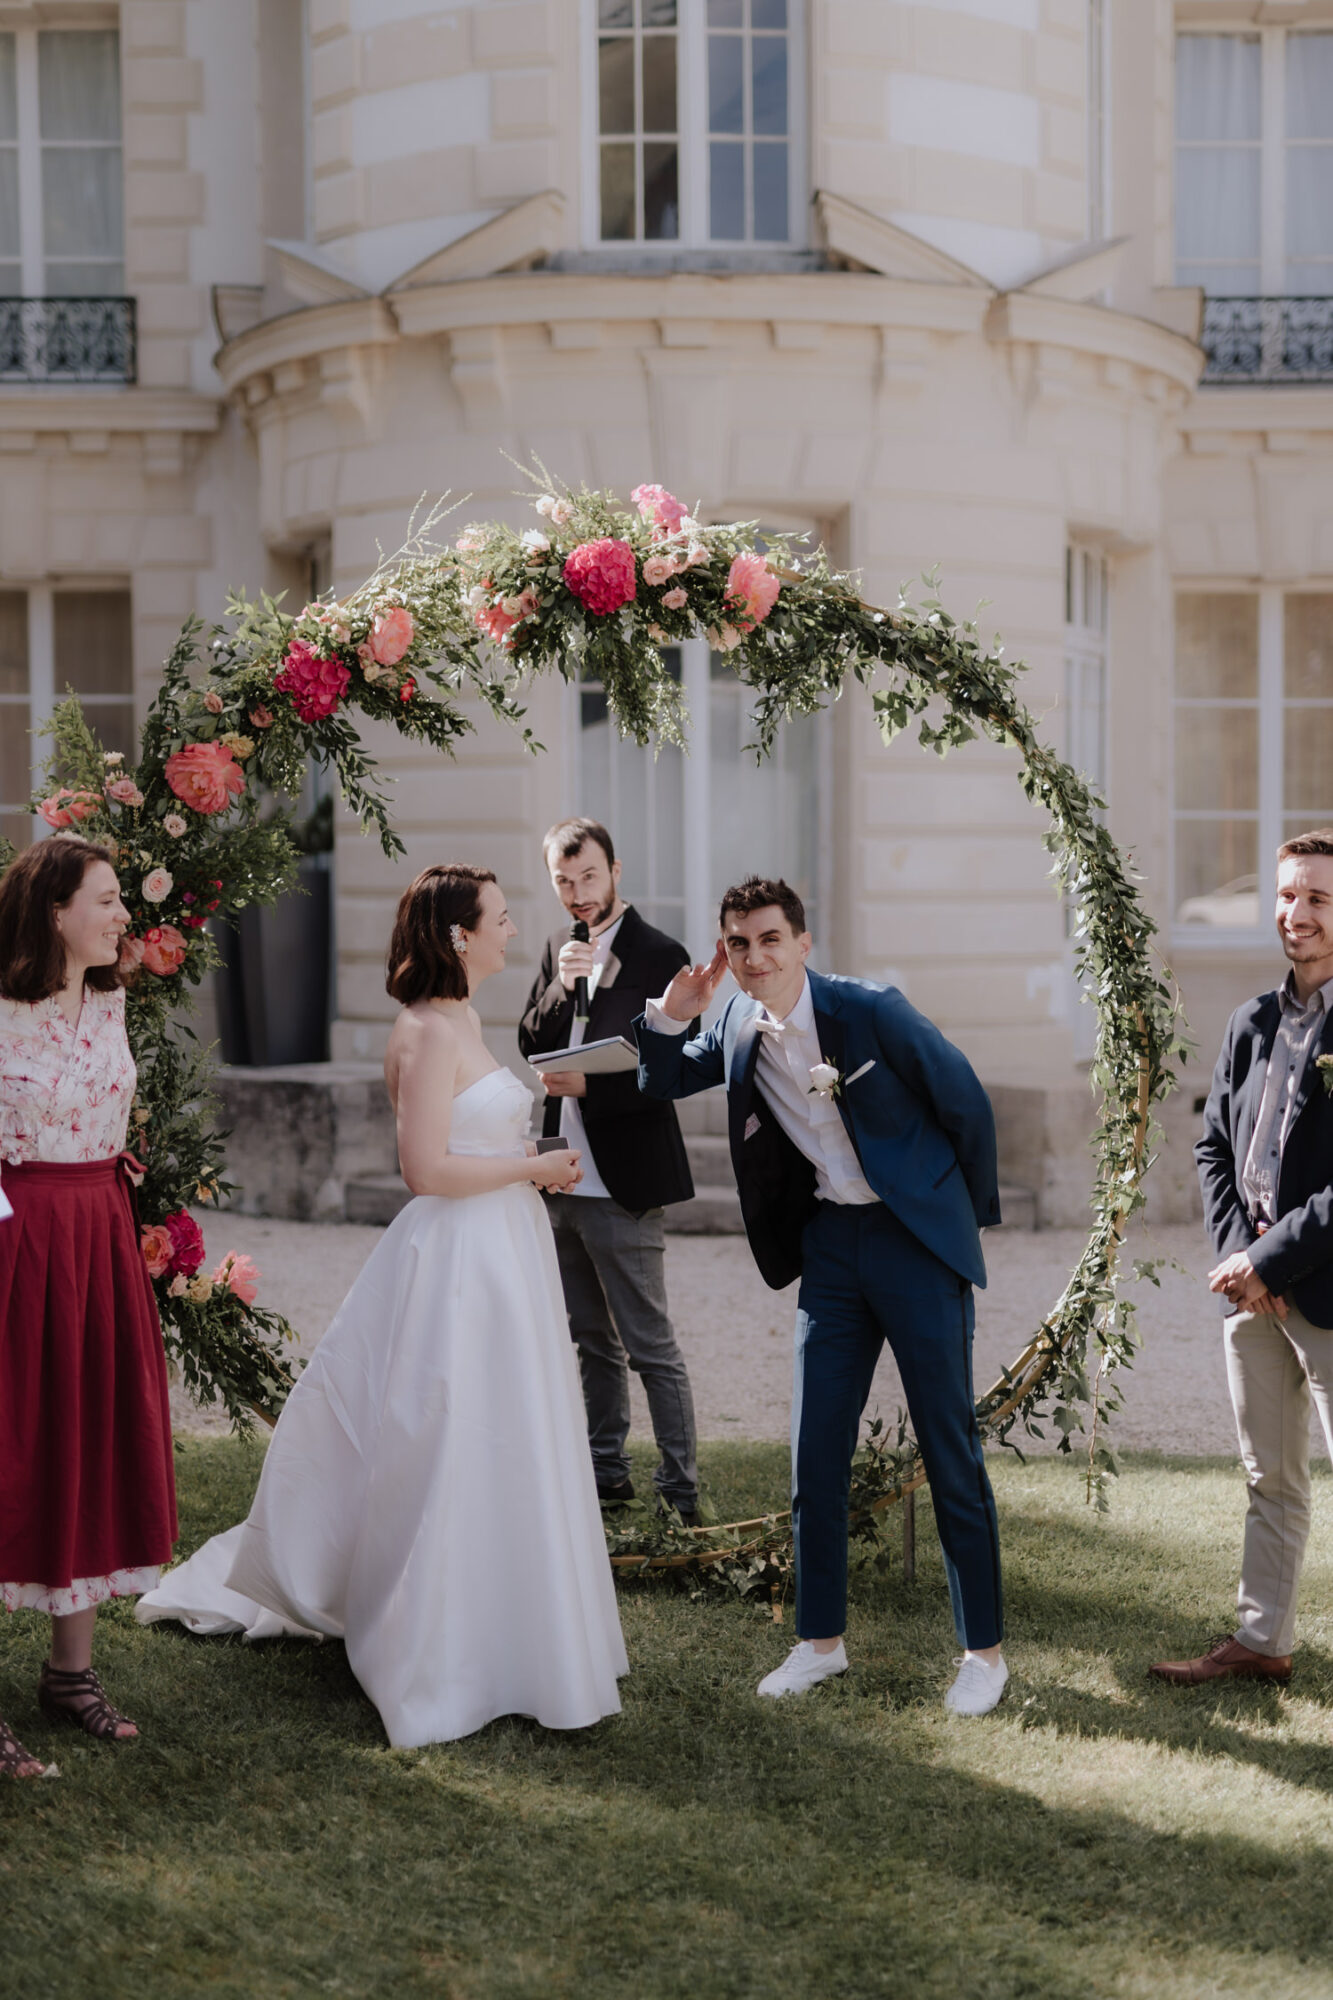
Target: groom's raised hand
{"type": "Point", "coordinates": [691, 991]}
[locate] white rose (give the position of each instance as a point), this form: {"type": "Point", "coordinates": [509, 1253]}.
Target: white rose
{"type": "Point", "coordinates": [561, 513]}
{"type": "Point", "coordinates": [476, 597]}
{"type": "Point", "coordinates": [156, 886]}
{"type": "Point", "coordinates": [823, 1076]}
{"type": "Point", "coordinates": [535, 542]}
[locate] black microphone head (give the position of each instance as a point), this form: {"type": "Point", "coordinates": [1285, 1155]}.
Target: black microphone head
{"type": "Point", "coordinates": [579, 931]}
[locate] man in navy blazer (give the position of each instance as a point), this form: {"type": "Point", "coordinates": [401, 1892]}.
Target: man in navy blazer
{"type": "Point", "coordinates": [1266, 1169]}
{"type": "Point", "coordinates": [864, 1150]}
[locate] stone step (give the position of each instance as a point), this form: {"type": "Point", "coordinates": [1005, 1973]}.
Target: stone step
{"type": "Point", "coordinates": [714, 1211]}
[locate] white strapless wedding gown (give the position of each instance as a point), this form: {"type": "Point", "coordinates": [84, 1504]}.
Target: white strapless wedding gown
{"type": "Point", "coordinates": [428, 1495]}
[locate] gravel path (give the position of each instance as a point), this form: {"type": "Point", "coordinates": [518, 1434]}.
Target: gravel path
{"type": "Point", "coordinates": [736, 1334]}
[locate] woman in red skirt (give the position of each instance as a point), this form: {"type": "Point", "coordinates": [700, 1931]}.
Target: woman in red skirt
{"type": "Point", "coordinates": [87, 1498]}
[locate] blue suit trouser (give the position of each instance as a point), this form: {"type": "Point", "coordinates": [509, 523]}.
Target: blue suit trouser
{"type": "Point", "coordinates": [867, 1279]}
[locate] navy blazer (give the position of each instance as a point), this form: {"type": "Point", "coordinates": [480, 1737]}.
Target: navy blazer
{"type": "Point", "coordinates": [1295, 1256]}
{"type": "Point", "coordinates": [920, 1121]}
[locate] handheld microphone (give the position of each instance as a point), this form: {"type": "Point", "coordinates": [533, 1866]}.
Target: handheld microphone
{"type": "Point", "coordinates": [581, 935]}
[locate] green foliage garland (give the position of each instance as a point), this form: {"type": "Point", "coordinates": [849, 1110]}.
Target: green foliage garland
{"type": "Point", "coordinates": [598, 591]}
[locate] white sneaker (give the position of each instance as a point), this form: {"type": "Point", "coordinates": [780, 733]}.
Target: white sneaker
{"type": "Point", "coordinates": [804, 1668]}
{"type": "Point", "coordinates": [978, 1687]}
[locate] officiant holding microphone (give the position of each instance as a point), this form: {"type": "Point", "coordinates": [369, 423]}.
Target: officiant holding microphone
{"type": "Point", "coordinates": [596, 975]}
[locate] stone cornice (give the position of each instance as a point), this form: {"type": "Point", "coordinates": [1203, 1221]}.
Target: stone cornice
{"type": "Point", "coordinates": [40, 409]}
{"type": "Point", "coordinates": [296, 336]}
{"type": "Point", "coordinates": [1280, 407]}
{"type": "Point", "coordinates": [1095, 330]}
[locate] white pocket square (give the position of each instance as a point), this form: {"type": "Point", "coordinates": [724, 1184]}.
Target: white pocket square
{"type": "Point", "coordinates": [859, 1072]}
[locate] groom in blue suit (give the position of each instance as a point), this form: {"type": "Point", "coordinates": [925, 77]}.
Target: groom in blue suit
{"type": "Point", "coordinates": [864, 1150]}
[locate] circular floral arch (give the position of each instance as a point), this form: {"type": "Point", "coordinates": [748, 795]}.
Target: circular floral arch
{"type": "Point", "coordinates": [599, 590]}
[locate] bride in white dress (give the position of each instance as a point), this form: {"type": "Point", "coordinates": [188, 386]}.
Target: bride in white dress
{"type": "Point", "coordinates": [428, 1495]}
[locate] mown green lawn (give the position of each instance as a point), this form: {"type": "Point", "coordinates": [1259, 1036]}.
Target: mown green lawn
{"type": "Point", "coordinates": [1098, 1836]}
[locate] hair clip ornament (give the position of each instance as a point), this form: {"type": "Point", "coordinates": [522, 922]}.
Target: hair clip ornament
{"type": "Point", "coordinates": [458, 939]}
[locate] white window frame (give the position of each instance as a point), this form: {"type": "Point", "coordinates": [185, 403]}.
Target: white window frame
{"type": "Point", "coordinates": [1202, 938]}
{"type": "Point", "coordinates": [692, 127]}
{"type": "Point", "coordinates": [1271, 143]}
{"type": "Point", "coordinates": [27, 93]}
{"type": "Point", "coordinates": [1098, 31]}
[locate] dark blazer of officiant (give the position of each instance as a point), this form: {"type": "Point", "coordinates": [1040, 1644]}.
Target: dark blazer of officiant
{"type": "Point", "coordinates": [635, 1141]}
{"type": "Point", "coordinates": [1295, 1256]}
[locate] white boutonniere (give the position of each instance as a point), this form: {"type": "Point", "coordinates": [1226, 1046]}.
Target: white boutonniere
{"type": "Point", "coordinates": [825, 1080]}
{"type": "Point", "coordinates": [1324, 1064]}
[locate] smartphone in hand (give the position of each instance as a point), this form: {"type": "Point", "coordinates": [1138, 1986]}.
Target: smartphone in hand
{"type": "Point", "coordinates": [552, 1145]}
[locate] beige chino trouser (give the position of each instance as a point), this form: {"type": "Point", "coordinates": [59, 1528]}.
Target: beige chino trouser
{"type": "Point", "coordinates": [1274, 1368]}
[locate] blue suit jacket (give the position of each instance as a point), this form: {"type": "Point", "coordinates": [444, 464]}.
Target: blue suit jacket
{"type": "Point", "coordinates": [918, 1117]}
{"type": "Point", "coordinates": [1295, 1256]}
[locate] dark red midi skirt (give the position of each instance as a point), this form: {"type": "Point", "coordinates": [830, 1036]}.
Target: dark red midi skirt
{"type": "Point", "coordinates": [87, 1485]}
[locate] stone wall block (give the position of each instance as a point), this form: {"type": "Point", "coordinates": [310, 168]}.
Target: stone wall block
{"type": "Point", "coordinates": [1059, 206]}
{"type": "Point", "coordinates": [877, 174]}
{"type": "Point", "coordinates": [185, 539]}
{"type": "Point", "coordinates": [854, 101]}
{"type": "Point", "coordinates": [164, 363]}
{"type": "Point", "coordinates": [977, 190]}
{"type": "Point", "coordinates": [986, 52]}
{"type": "Point", "coordinates": [152, 27]}
{"type": "Point", "coordinates": [422, 186]}
{"type": "Point", "coordinates": [1063, 138]}
{"type": "Point", "coordinates": [158, 197]}
{"type": "Point", "coordinates": [1059, 67]}
{"type": "Point", "coordinates": [329, 17]}
{"type": "Point", "coordinates": [340, 204]}
{"type": "Point", "coordinates": [335, 71]}
{"type": "Point", "coordinates": [523, 104]}
{"type": "Point", "coordinates": [164, 83]}
{"type": "Point", "coordinates": [156, 139]}
{"type": "Point", "coordinates": [299, 1134]}
{"type": "Point", "coordinates": [866, 30]}
{"type": "Point", "coordinates": [172, 309]}
{"type": "Point", "coordinates": [156, 252]}
{"type": "Point", "coordinates": [512, 34]}
{"type": "Point", "coordinates": [411, 51]}
{"type": "Point", "coordinates": [331, 149]}
{"type": "Point", "coordinates": [509, 172]}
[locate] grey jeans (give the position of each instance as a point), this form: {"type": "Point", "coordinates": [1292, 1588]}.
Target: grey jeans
{"type": "Point", "coordinates": [1276, 1369]}
{"type": "Point", "coordinates": [613, 1269]}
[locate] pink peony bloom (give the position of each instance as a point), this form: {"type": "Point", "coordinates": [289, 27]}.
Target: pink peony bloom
{"type": "Point", "coordinates": [675, 600]}
{"type": "Point", "coordinates": [124, 792]}
{"type": "Point", "coordinates": [131, 954]}
{"type": "Point", "coordinates": [315, 684]}
{"type": "Point", "coordinates": [156, 886]}
{"type": "Point", "coordinates": [391, 634]}
{"type": "Point", "coordinates": [205, 776]}
{"type": "Point", "coordinates": [187, 1242]}
{"type": "Point", "coordinates": [695, 555]}
{"type": "Point", "coordinates": [213, 702]}
{"type": "Point", "coordinates": [659, 569]}
{"type": "Point", "coordinates": [261, 717]}
{"type": "Point", "coordinates": [163, 949]}
{"type": "Point", "coordinates": [656, 504]}
{"type": "Point", "coordinates": [601, 575]}
{"type": "Point", "coordinates": [239, 1275]}
{"type": "Point", "coordinates": [157, 1247]}
{"type": "Point", "coordinates": [752, 590]}
{"type": "Point", "coordinates": [65, 807]}
{"type": "Point", "coordinates": [495, 622]}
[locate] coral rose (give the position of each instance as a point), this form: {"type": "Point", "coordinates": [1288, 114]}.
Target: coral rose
{"type": "Point", "coordinates": [656, 504]}
{"type": "Point", "coordinates": [157, 1247]}
{"type": "Point", "coordinates": [187, 1242]}
{"type": "Point", "coordinates": [391, 634]}
{"type": "Point", "coordinates": [65, 807]}
{"type": "Point", "coordinates": [204, 776]}
{"type": "Point", "coordinates": [163, 949]}
{"type": "Point", "coordinates": [315, 684]}
{"type": "Point", "coordinates": [752, 590]}
{"type": "Point", "coordinates": [601, 574]}
{"type": "Point", "coordinates": [213, 702]}
{"type": "Point", "coordinates": [239, 1275]}
{"type": "Point", "coordinates": [261, 717]}
{"type": "Point", "coordinates": [124, 792]}
{"type": "Point", "coordinates": [156, 886]}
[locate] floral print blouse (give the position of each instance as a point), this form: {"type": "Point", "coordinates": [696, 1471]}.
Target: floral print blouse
{"type": "Point", "coordinates": [65, 1092]}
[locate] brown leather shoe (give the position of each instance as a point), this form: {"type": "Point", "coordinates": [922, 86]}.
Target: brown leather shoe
{"type": "Point", "coordinates": [1227, 1660]}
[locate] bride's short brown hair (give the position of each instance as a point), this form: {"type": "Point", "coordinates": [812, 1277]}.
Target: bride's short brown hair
{"type": "Point", "coordinates": [423, 962]}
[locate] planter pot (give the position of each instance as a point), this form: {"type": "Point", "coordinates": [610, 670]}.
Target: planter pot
{"type": "Point", "coordinates": [273, 985]}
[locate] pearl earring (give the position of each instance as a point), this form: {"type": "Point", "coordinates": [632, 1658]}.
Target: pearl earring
{"type": "Point", "coordinates": [458, 939]}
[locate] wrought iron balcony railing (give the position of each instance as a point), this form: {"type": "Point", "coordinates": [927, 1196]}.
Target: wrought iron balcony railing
{"type": "Point", "coordinates": [1268, 340]}
{"type": "Point", "coordinates": [67, 340]}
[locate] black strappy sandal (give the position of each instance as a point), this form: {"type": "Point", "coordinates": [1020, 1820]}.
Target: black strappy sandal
{"type": "Point", "coordinates": [81, 1699]}
{"type": "Point", "coordinates": [15, 1761]}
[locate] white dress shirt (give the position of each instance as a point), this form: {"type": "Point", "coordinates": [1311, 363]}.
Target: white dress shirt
{"type": "Point", "coordinates": [789, 1051]}
{"type": "Point", "coordinates": [571, 1113]}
